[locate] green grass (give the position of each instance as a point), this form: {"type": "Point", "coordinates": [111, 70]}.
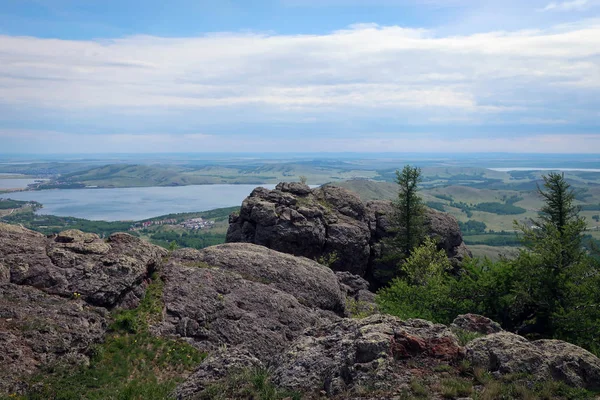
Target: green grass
{"type": "Point", "coordinates": [124, 367]}
{"type": "Point", "coordinates": [252, 384]}
{"type": "Point", "coordinates": [418, 389]}
{"type": "Point", "coordinates": [360, 309]}
{"type": "Point", "coordinates": [465, 337]}
{"type": "Point", "coordinates": [453, 388]}
{"type": "Point", "coordinates": [148, 312]}
{"type": "Point", "coordinates": [131, 364]}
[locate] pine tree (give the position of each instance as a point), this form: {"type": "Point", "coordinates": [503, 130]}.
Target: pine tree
{"type": "Point", "coordinates": [409, 210]}
{"type": "Point", "coordinates": [553, 257]}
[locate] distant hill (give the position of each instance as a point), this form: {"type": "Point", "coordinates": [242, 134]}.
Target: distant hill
{"type": "Point", "coordinates": [496, 208]}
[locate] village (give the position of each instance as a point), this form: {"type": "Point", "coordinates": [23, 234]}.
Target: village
{"type": "Point", "coordinates": [191, 224]}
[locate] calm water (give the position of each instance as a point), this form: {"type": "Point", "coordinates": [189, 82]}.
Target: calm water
{"type": "Point", "coordinates": [136, 203]}
{"type": "Point", "coordinates": [15, 183]}
{"type": "Point", "coordinates": [544, 169]}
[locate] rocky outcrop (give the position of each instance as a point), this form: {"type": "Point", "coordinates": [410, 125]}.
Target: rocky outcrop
{"type": "Point", "coordinates": [506, 353]}
{"type": "Point", "coordinates": [246, 296]}
{"type": "Point", "coordinates": [332, 225]}
{"type": "Point", "coordinates": [50, 288]}
{"type": "Point", "coordinates": [218, 365]}
{"type": "Point", "coordinates": [106, 273]}
{"type": "Point", "coordinates": [475, 323]}
{"type": "Point", "coordinates": [368, 352]}
{"type": "Point", "coordinates": [37, 329]}
{"type": "Point", "coordinates": [247, 306]}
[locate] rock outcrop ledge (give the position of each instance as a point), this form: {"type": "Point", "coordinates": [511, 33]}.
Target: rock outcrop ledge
{"type": "Point", "coordinates": [334, 226]}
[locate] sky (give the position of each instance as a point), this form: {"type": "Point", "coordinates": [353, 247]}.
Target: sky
{"type": "Point", "coordinates": [443, 76]}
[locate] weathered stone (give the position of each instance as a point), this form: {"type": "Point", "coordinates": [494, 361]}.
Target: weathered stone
{"type": "Point", "coordinates": [507, 353]}
{"type": "Point", "coordinates": [570, 363]}
{"type": "Point", "coordinates": [334, 226]}
{"type": "Point", "coordinates": [359, 299]}
{"type": "Point", "coordinates": [106, 273]}
{"type": "Point", "coordinates": [215, 367]}
{"type": "Point", "coordinates": [246, 296]}
{"type": "Point", "coordinates": [38, 329]}
{"type": "Point", "coordinates": [476, 323]}
{"type": "Point", "coordinates": [313, 284]}
{"type": "Point", "coordinates": [352, 352]}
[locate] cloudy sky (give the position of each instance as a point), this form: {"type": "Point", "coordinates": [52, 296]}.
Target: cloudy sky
{"type": "Point", "coordinates": [85, 76]}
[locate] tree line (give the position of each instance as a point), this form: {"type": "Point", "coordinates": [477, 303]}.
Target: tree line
{"type": "Point", "coordinates": [550, 290]}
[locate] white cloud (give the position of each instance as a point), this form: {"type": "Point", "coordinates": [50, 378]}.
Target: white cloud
{"type": "Point", "coordinates": [375, 69]}
{"type": "Point", "coordinates": [572, 5]}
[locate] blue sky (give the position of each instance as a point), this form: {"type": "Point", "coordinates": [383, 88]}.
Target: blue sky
{"type": "Point", "coordinates": [82, 76]}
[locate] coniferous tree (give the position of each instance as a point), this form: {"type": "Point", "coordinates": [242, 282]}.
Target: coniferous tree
{"type": "Point", "coordinates": [553, 258]}
{"type": "Point", "coordinates": [409, 210]}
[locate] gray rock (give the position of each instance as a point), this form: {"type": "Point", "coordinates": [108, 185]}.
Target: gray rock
{"type": "Point", "coordinates": [334, 226]}
{"type": "Point", "coordinates": [571, 364]}
{"type": "Point", "coordinates": [215, 367]}
{"type": "Point", "coordinates": [39, 329]}
{"type": "Point", "coordinates": [367, 352]}
{"type": "Point", "coordinates": [507, 353]}
{"type": "Point", "coordinates": [476, 323]}
{"type": "Point", "coordinates": [246, 296]}
{"type": "Point", "coordinates": [106, 273]}
{"type": "Point", "coordinates": [359, 299]}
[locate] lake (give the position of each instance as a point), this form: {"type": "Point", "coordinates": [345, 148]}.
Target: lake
{"type": "Point", "coordinates": [544, 169]}
{"type": "Point", "coordinates": [15, 183]}
{"type": "Point", "coordinates": [135, 203]}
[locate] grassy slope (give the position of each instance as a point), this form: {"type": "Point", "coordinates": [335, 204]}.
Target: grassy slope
{"type": "Point", "coordinates": [131, 364]}
{"type": "Point", "coordinates": [120, 175]}
{"type": "Point", "coordinates": [531, 202]}
{"type": "Point", "coordinates": [494, 253]}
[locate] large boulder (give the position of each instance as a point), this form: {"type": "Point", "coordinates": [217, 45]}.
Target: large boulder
{"type": "Point", "coordinates": [38, 329]}
{"type": "Point", "coordinates": [328, 222]}
{"type": "Point", "coordinates": [373, 352]}
{"type": "Point", "coordinates": [246, 296]}
{"type": "Point", "coordinates": [217, 366]}
{"type": "Point", "coordinates": [476, 323]}
{"type": "Point", "coordinates": [107, 273]}
{"type": "Point", "coordinates": [334, 226]}
{"type": "Point", "coordinates": [50, 292]}
{"type": "Point", "coordinates": [507, 353]}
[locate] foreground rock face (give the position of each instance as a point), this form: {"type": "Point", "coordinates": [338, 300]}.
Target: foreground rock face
{"type": "Point", "coordinates": [246, 296]}
{"type": "Point", "coordinates": [507, 353]}
{"type": "Point", "coordinates": [332, 225]}
{"type": "Point", "coordinates": [106, 273]}
{"type": "Point", "coordinates": [49, 290]}
{"type": "Point", "coordinates": [38, 329]}
{"type": "Point", "coordinates": [248, 306]}
{"type": "Point", "coordinates": [368, 352]}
